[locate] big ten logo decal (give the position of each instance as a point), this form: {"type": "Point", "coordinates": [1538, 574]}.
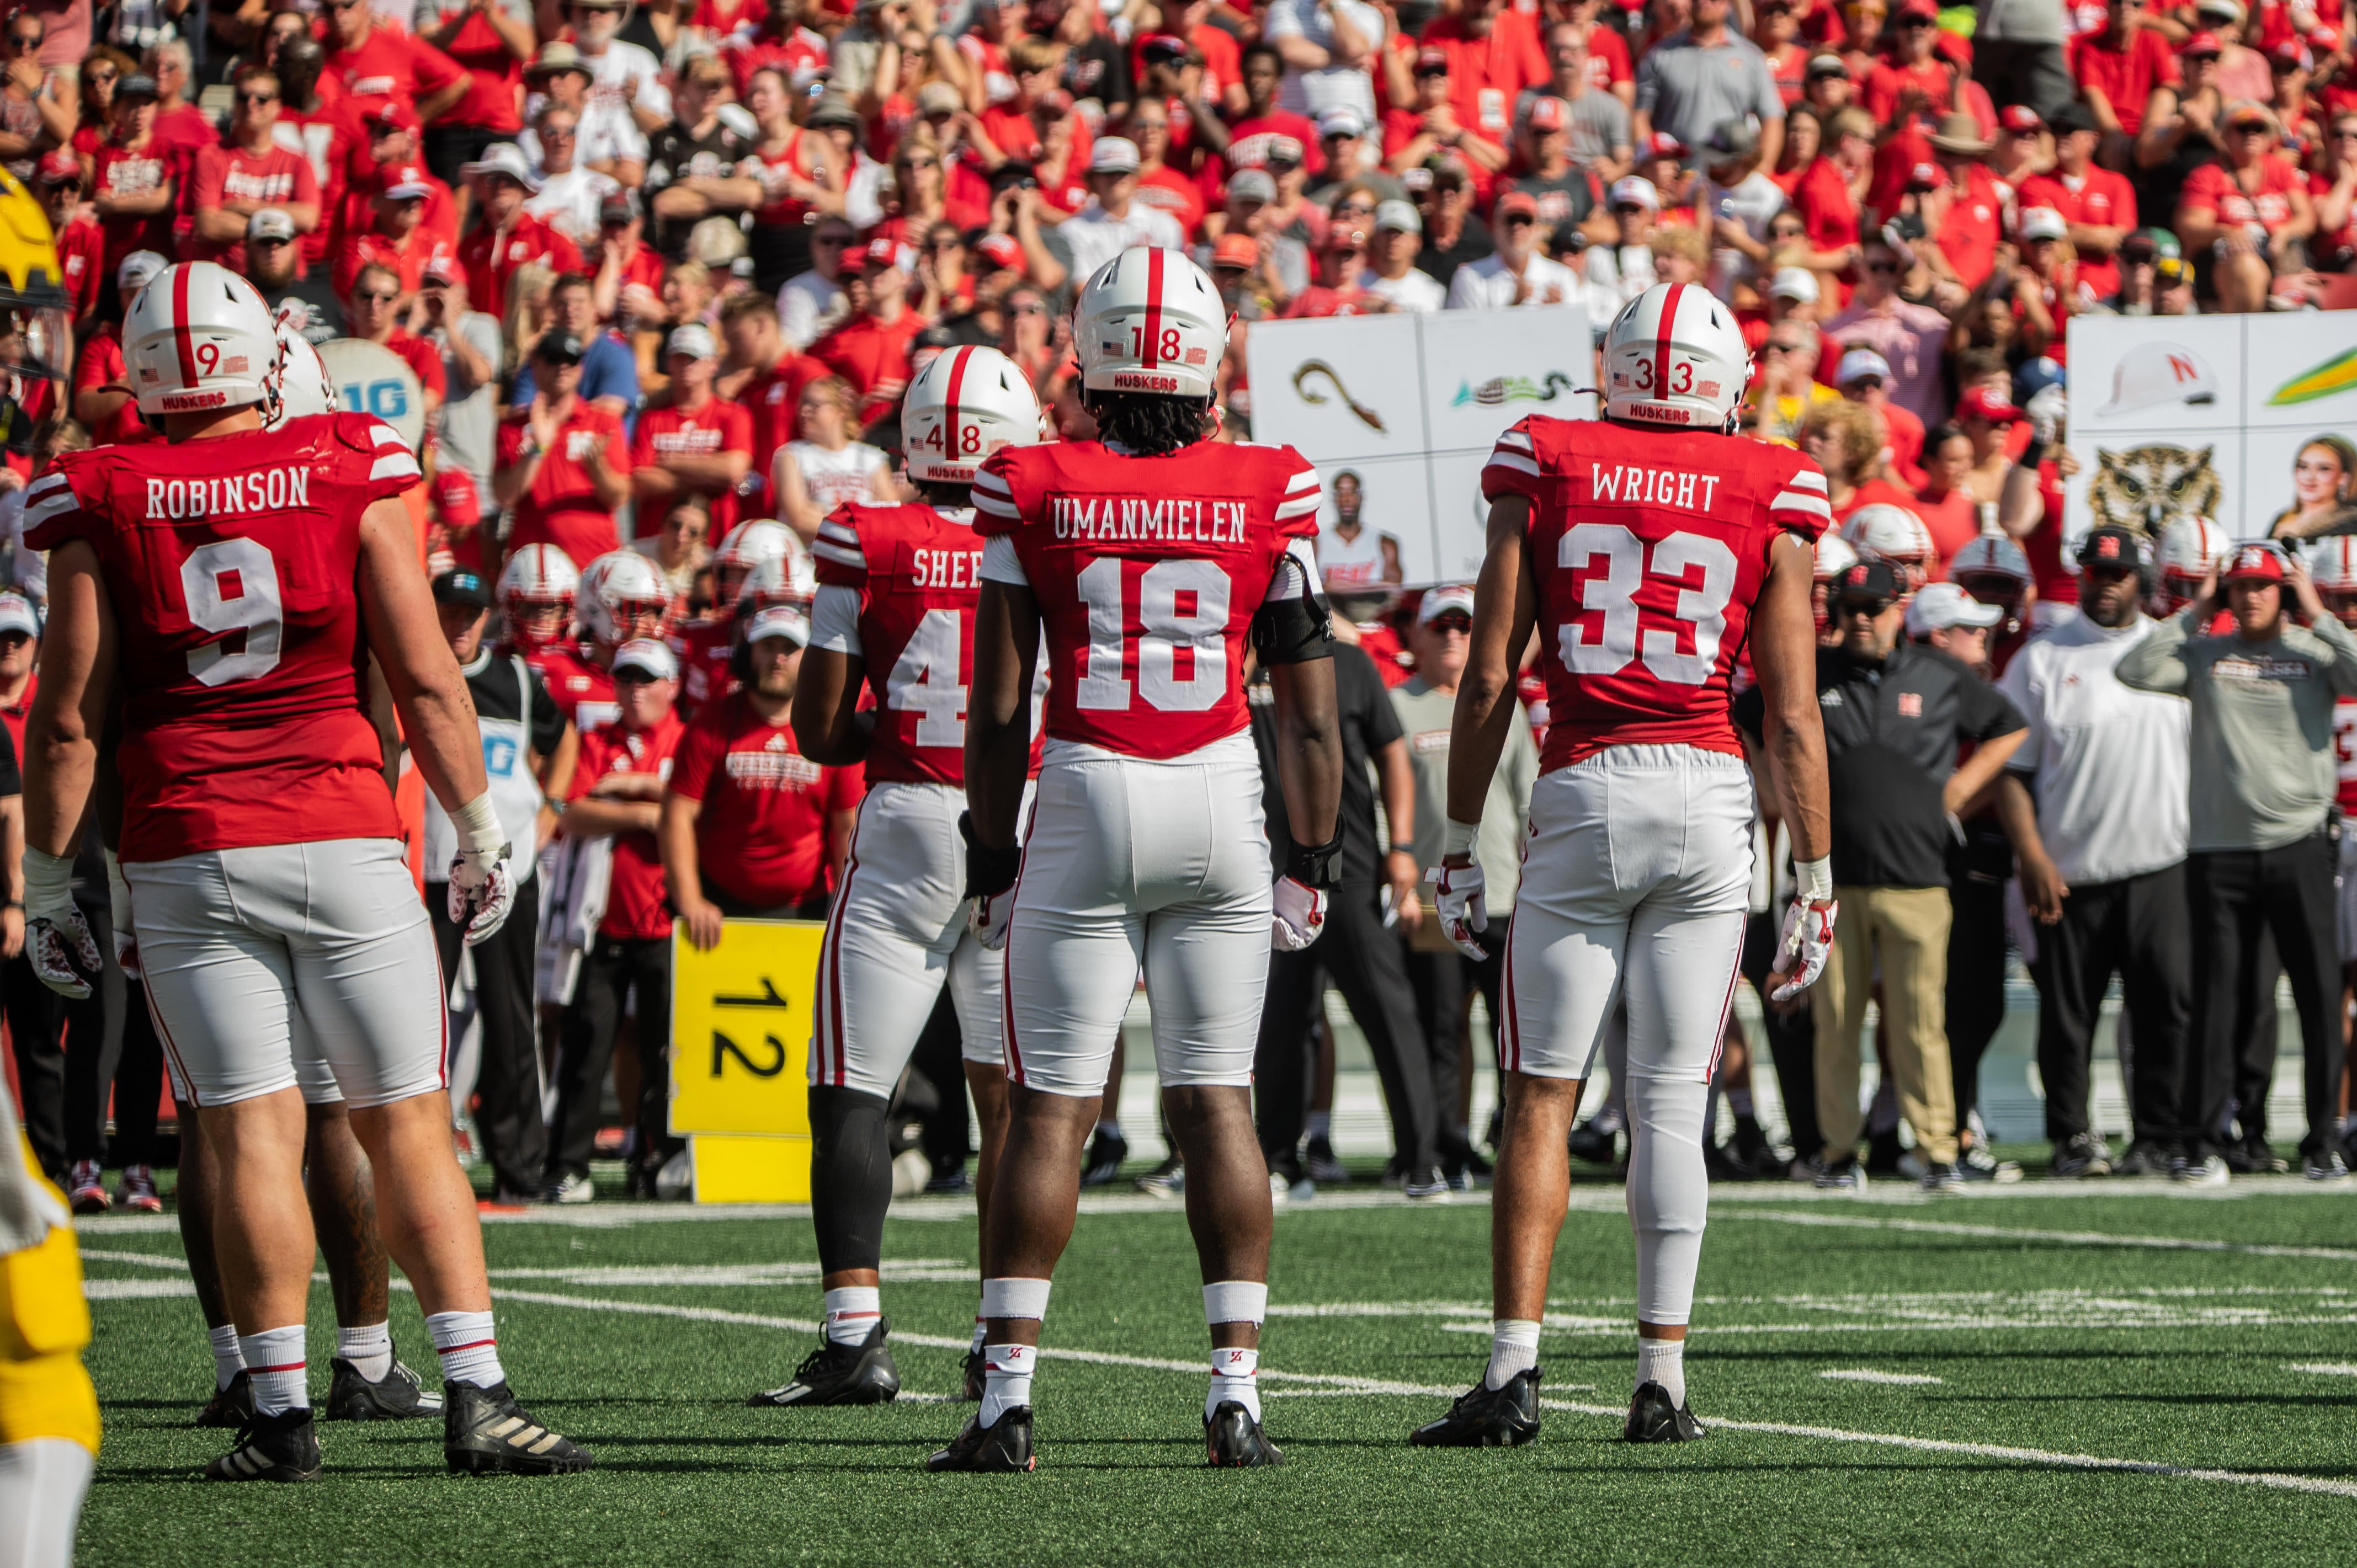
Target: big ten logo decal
{"type": "Point", "coordinates": [387, 399]}
{"type": "Point", "coordinates": [760, 1014]}
{"type": "Point", "coordinates": [499, 756]}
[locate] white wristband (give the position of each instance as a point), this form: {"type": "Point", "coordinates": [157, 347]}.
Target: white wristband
{"type": "Point", "coordinates": [1459, 836]}
{"type": "Point", "coordinates": [477, 823]}
{"type": "Point", "coordinates": [1816, 879]}
{"type": "Point", "coordinates": [48, 884]}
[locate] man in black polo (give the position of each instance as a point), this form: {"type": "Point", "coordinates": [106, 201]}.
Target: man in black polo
{"type": "Point", "coordinates": [1894, 711]}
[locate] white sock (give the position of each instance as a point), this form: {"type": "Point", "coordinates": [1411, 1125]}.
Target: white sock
{"type": "Point", "coordinates": [1320, 1125]}
{"type": "Point", "coordinates": [227, 1360]}
{"type": "Point", "coordinates": [469, 1351]}
{"type": "Point", "coordinates": [1235, 1375]}
{"type": "Point", "coordinates": [981, 1331]}
{"type": "Point", "coordinates": [1513, 1349]}
{"type": "Point", "coordinates": [1006, 1378]}
{"type": "Point", "coordinates": [368, 1350]}
{"type": "Point", "coordinates": [1663, 1361]}
{"type": "Point", "coordinates": [273, 1359]}
{"type": "Point", "coordinates": [852, 1312]}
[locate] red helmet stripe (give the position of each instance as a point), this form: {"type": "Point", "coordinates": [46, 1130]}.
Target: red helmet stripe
{"type": "Point", "coordinates": [180, 337]}
{"type": "Point", "coordinates": [1152, 304]}
{"type": "Point", "coordinates": [1661, 340]}
{"type": "Point", "coordinates": [949, 414]}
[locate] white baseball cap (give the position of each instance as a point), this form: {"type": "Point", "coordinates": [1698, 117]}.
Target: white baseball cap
{"type": "Point", "coordinates": [1859, 362]}
{"type": "Point", "coordinates": [1937, 606]}
{"type": "Point", "coordinates": [138, 269]}
{"type": "Point", "coordinates": [1637, 190]}
{"type": "Point", "coordinates": [779, 620]}
{"type": "Point", "coordinates": [2042, 223]}
{"type": "Point", "coordinates": [1441, 601]}
{"type": "Point", "coordinates": [1341, 120]}
{"type": "Point", "coordinates": [650, 658]}
{"type": "Point", "coordinates": [695, 340]}
{"type": "Point", "coordinates": [17, 614]}
{"type": "Point", "coordinates": [1113, 154]}
{"type": "Point", "coordinates": [1794, 283]}
{"type": "Point", "coordinates": [505, 158]}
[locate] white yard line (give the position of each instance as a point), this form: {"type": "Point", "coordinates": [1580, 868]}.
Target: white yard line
{"type": "Point", "coordinates": [2021, 1233]}
{"type": "Point", "coordinates": [2325, 1369]}
{"type": "Point", "coordinates": [1867, 1375]}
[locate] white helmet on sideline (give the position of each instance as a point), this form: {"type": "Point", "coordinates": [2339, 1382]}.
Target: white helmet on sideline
{"type": "Point", "coordinates": [2186, 554]}
{"type": "Point", "coordinates": [1883, 532]}
{"type": "Point", "coordinates": [745, 546]}
{"type": "Point", "coordinates": [2332, 561]}
{"type": "Point", "coordinates": [1675, 356]}
{"type": "Point", "coordinates": [617, 589]}
{"type": "Point", "coordinates": [1833, 556]}
{"type": "Point", "coordinates": [304, 385]}
{"type": "Point", "coordinates": [536, 589]}
{"type": "Point", "coordinates": [1149, 321]}
{"type": "Point", "coordinates": [789, 579]}
{"type": "Point", "coordinates": [198, 337]}
{"type": "Point", "coordinates": [963, 405]}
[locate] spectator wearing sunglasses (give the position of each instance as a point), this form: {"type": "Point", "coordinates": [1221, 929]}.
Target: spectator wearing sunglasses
{"type": "Point", "coordinates": [370, 311]}
{"type": "Point", "coordinates": [571, 195]}
{"type": "Point", "coordinates": [1910, 337]}
{"type": "Point", "coordinates": [1518, 272]}
{"type": "Point", "coordinates": [810, 304]}
{"type": "Point", "coordinates": [35, 105]}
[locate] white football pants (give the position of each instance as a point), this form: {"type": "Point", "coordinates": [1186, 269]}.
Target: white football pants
{"type": "Point", "coordinates": [895, 935]}
{"type": "Point", "coordinates": [1133, 863]}
{"type": "Point", "coordinates": [1636, 881]}
{"type": "Point", "coordinates": [258, 960]}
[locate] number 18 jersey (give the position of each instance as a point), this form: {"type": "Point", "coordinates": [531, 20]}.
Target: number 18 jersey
{"type": "Point", "coordinates": [231, 566]}
{"type": "Point", "coordinates": [1147, 571]}
{"type": "Point", "coordinates": [1649, 548]}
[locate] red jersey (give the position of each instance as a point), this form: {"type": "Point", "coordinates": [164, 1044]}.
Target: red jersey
{"type": "Point", "coordinates": [101, 366]}
{"type": "Point", "coordinates": [391, 65]}
{"type": "Point", "coordinates": [761, 837]}
{"type": "Point", "coordinates": [1487, 74]}
{"type": "Point", "coordinates": [2125, 76]}
{"type": "Point", "coordinates": [799, 53]}
{"type": "Point", "coordinates": [918, 573]}
{"type": "Point", "coordinates": [2213, 188]}
{"type": "Point", "coordinates": [1650, 548]}
{"type": "Point", "coordinates": [774, 398]}
{"type": "Point", "coordinates": [634, 898]}
{"type": "Point", "coordinates": [873, 356]}
{"type": "Point", "coordinates": [1147, 571]}
{"type": "Point", "coordinates": [82, 257]}
{"type": "Point", "coordinates": [243, 662]}
{"type": "Point", "coordinates": [119, 171]}
{"type": "Point", "coordinates": [561, 507]}
{"type": "Point", "coordinates": [702, 648]}
{"type": "Point", "coordinates": [1888, 84]}
{"type": "Point", "coordinates": [277, 176]}
{"type": "Point", "coordinates": [2344, 751]}
{"type": "Point", "coordinates": [715, 428]}
{"type": "Point", "coordinates": [330, 139]}
{"type": "Point", "coordinates": [423, 359]}
{"type": "Point", "coordinates": [491, 258]}
{"type": "Point", "coordinates": [407, 258]}
{"type": "Point", "coordinates": [583, 692]}
{"type": "Point", "coordinates": [495, 74]}
{"type": "Point", "coordinates": [2099, 196]}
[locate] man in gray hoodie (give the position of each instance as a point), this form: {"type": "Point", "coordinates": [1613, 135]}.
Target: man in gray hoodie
{"type": "Point", "coordinates": [2264, 788]}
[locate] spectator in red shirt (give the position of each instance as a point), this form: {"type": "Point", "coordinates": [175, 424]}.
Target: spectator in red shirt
{"type": "Point", "coordinates": [376, 62]}
{"type": "Point", "coordinates": [103, 400]}
{"type": "Point", "coordinates": [1912, 84]}
{"type": "Point", "coordinates": [2247, 214]}
{"type": "Point", "coordinates": [617, 794]}
{"type": "Point", "coordinates": [237, 178]}
{"type": "Point", "coordinates": [371, 308]}
{"type": "Point", "coordinates": [1864, 377]}
{"type": "Point", "coordinates": [871, 349]}
{"type": "Point", "coordinates": [1494, 54]}
{"type": "Point", "coordinates": [751, 828]}
{"type": "Point", "coordinates": [2117, 70]}
{"type": "Point", "coordinates": [397, 235]}
{"type": "Point", "coordinates": [505, 236]}
{"type": "Point", "coordinates": [562, 463]}
{"type": "Point", "coordinates": [1965, 211]}
{"type": "Point", "coordinates": [81, 243]}
{"type": "Point", "coordinates": [695, 445]}
{"type": "Point", "coordinates": [1159, 185]}
{"type": "Point", "coordinates": [392, 140]}
{"type": "Point", "coordinates": [181, 126]}
{"type": "Point", "coordinates": [763, 374]}
{"type": "Point", "coordinates": [624, 257]}
{"type": "Point", "coordinates": [1340, 288]}
{"type": "Point", "coordinates": [1250, 138]}
{"type": "Point", "coordinates": [1435, 126]}
{"type": "Point", "coordinates": [1833, 190]}
{"type": "Point", "coordinates": [2098, 204]}
{"type": "Point", "coordinates": [489, 40]}
{"type": "Point", "coordinates": [135, 179]}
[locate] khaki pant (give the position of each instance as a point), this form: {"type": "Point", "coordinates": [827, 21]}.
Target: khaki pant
{"type": "Point", "coordinates": [1908, 928]}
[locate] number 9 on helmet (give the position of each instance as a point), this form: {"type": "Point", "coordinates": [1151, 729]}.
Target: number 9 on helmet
{"type": "Point", "coordinates": [1675, 356]}
{"type": "Point", "coordinates": [198, 338]}
{"type": "Point", "coordinates": [963, 405]}
{"type": "Point", "coordinates": [1150, 321]}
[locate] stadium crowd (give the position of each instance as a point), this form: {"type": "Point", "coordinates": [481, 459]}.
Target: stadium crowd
{"type": "Point", "coordinates": [662, 272]}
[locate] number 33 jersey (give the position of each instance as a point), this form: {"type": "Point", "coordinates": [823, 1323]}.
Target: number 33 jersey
{"type": "Point", "coordinates": [232, 568]}
{"type": "Point", "coordinates": [1650, 548]}
{"type": "Point", "coordinates": [1147, 571]}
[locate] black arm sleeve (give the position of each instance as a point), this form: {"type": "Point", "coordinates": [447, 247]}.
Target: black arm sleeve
{"type": "Point", "coordinates": [12, 779]}
{"type": "Point", "coordinates": [1750, 712]}
{"type": "Point", "coordinates": [547, 720]}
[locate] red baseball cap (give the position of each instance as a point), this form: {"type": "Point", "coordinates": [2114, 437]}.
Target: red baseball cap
{"type": "Point", "coordinates": [2256, 563]}
{"type": "Point", "coordinates": [1002, 249]}
{"type": "Point", "coordinates": [1924, 9]}
{"type": "Point", "coordinates": [2020, 117]}
{"type": "Point", "coordinates": [2324, 38]}
{"type": "Point", "coordinates": [1547, 115]}
{"type": "Point", "coordinates": [58, 166]}
{"type": "Point", "coordinates": [1521, 202]}
{"type": "Point", "coordinates": [1236, 251]}
{"type": "Point", "coordinates": [1982, 403]}
{"type": "Point", "coordinates": [400, 182]}
{"type": "Point", "coordinates": [2202, 43]}
{"type": "Point", "coordinates": [390, 115]}
{"type": "Point", "coordinates": [2290, 52]}
{"type": "Point", "coordinates": [879, 254]}
{"type": "Point", "coordinates": [456, 496]}
{"type": "Point", "coordinates": [1661, 145]}
{"type": "Point", "coordinates": [1924, 177]}
{"type": "Point", "coordinates": [1431, 60]}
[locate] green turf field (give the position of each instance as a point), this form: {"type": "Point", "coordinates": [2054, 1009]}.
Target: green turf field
{"type": "Point", "coordinates": [2087, 1375]}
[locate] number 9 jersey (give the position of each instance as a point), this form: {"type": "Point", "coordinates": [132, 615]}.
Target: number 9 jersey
{"type": "Point", "coordinates": [1649, 548]}
{"type": "Point", "coordinates": [1147, 571]}
{"type": "Point", "coordinates": [230, 564]}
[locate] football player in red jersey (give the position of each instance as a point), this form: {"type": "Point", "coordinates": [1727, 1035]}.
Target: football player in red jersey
{"type": "Point", "coordinates": [225, 588]}
{"type": "Point", "coordinates": [536, 592]}
{"type": "Point", "coordinates": [898, 587]}
{"type": "Point", "coordinates": [1651, 551]}
{"type": "Point", "coordinates": [705, 646]}
{"type": "Point", "coordinates": [1144, 557]}
{"type": "Point", "coordinates": [621, 598]}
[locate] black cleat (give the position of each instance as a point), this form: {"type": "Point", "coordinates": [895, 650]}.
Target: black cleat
{"type": "Point", "coordinates": [1232, 1440]}
{"type": "Point", "coordinates": [399, 1397]}
{"type": "Point", "coordinates": [1485, 1417]}
{"type": "Point", "coordinates": [841, 1374]}
{"type": "Point", "coordinates": [1002, 1448]}
{"type": "Point", "coordinates": [1102, 1166]}
{"type": "Point", "coordinates": [485, 1431]}
{"type": "Point", "coordinates": [1651, 1419]}
{"type": "Point", "coordinates": [282, 1447]}
{"type": "Point", "coordinates": [231, 1406]}
{"type": "Point", "coordinates": [977, 1369]}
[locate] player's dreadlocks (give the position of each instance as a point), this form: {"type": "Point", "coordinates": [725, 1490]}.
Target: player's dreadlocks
{"type": "Point", "coordinates": [935, 493]}
{"type": "Point", "coordinates": [1150, 423]}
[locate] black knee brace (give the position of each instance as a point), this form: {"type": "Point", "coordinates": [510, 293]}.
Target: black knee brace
{"type": "Point", "coordinates": [851, 1176]}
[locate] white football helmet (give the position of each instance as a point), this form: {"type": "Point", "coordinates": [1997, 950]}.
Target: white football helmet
{"type": "Point", "coordinates": [745, 546]}
{"type": "Point", "coordinates": [780, 580]}
{"type": "Point", "coordinates": [304, 385]}
{"type": "Point", "coordinates": [536, 589]}
{"type": "Point", "coordinates": [1886, 532]}
{"type": "Point", "coordinates": [1675, 356]}
{"type": "Point", "coordinates": [1833, 556]}
{"type": "Point", "coordinates": [1993, 570]}
{"type": "Point", "coordinates": [198, 338]}
{"type": "Point", "coordinates": [620, 591]}
{"type": "Point", "coordinates": [1149, 321]}
{"type": "Point", "coordinates": [2332, 561]}
{"type": "Point", "coordinates": [2186, 552]}
{"type": "Point", "coordinates": [964, 405]}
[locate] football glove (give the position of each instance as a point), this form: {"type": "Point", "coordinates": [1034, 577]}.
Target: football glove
{"type": "Point", "coordinates": [1298, 915]}
{"type": "Point", "coordinates": [482, 890]}
{"type": "Point", "coordinates": [1464, 912]}
{"type": "Point", "coordinates": [56, 938]}
{"type": "Point", "coordinates": [1808, 940]}
{"type": "Point", "coordinates": [989, 886]}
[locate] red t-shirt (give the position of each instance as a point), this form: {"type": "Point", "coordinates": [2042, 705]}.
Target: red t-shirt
{"type": "Point", "coordinates": [2101, 198]}
{"type": "Point", "coordinates": [119, 171]}
{"type": "Point", "coordinates": [1954, 519]}
{"type": "Point", "coordinates": [635, 896]}
{"type": "Point", "coordinates": [423, 358]}
{"type": "Point", "coordinates": [1319, 300]}
{"type": "Point", "coordinates": [2212, 189]}
{"type": "Point", "coordinates": [775, 399]}
{"type": "Point", "coordinates": [1969, 231]}
{"type": "Point", "coordinates": [231, 565]}
{"type": "Point", "coordinates": [1168, 190]}
{"type": "Point", "coordinates": [494, 75]}
{"type": "Point", "coordinates": [2124, 76]}
{"type": "Point", "coordinates": [873, 356]}
{"type": "Point", "coordinates": [1487, 74]}
{"type": "Point", "coordinates": [391, 65]}
{"type": "Point", "coordinates": [715, 428]}
{"type": "Point", "coordinates": [332, 138]}
{"type": "Point", "coordinates": [762, 835]}
{"type": "Point", "coordinates": [490, 259]}
{"type": "Point", "coordinates": [406, 258]}
{"type": "Point", "coordinates": [102, 365]}
{"type": "Point", "coordinates": [1823, 199]}
{"type": "Point", "coordinates": [81, 256]}
{"type": "Point", "coordinates": [581, 689]}
{"type": "Point", "coordinates": [1249, 141]}
{"type": "Point", "coordinates": [1903, 433]}
{"type": "Point", "coordinates": [277, 176]}
{"type": "Point", "coordinates": [1888, 83]}
{"type": "Point", "coordinates": [561, 507]}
